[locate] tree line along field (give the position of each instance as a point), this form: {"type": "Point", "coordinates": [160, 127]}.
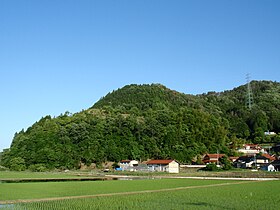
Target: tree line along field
{"type": "Point", "coordinates": [142, 194]}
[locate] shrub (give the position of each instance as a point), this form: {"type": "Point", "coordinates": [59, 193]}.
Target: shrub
{"type": "Point", "coordinates": [37, 168]}
{"type": "Point", "coordinates": [2, 168]}
{"type": "Point", "coordinates": [211, 167]}
{"type": "Point", "coordinates": [226, 164]}
{"type": "Point", "coordinates": [17, 164]}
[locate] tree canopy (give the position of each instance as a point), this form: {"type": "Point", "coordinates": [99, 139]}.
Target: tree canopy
{"type": "Point", "coordinates": [148, 121]}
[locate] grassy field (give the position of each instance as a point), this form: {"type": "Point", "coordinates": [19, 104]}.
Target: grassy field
{"type": "Point", "coordinates": [143, 194]}
{"type": "Point", "coordinates": [16, 191]}
{"type": "Point", "coordinates": [99, 173]}
{"type": "Point", "coordinates": [41, 175]}
{"type": "Point", "coordinates": [237, 173]}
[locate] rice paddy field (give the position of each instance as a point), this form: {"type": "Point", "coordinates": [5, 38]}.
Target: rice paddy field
{"type": "Point", "coordinates": [141, 194]}
{"type": "Point", "coordinates": [38, 175]}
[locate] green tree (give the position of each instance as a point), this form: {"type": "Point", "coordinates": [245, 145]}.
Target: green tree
{"type": "Point", "coordinates": [211, 167]}
{"type": "Point", "coordinates": [149, 121]}
{"type": "Point", "coordinates": [226, 164]}
{"type": "Point", "coordinates": [17, 164]}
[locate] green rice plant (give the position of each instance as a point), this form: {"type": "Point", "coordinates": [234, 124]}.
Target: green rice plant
{"type": "Point", "coordinates": [163, 194]}
{"type": "Point", "coordinates": [28, 174]}
{"type": "Point", "coordinates": [253, 195]}
{"type": "Point", "coordinates": [14, 191]}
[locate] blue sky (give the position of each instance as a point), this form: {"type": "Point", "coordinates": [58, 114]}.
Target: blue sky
{"type": "Point", "coordinates": [58, 56]}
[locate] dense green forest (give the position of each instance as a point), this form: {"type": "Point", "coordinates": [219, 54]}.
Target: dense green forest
{"type": "Point", "coordinates": [149, 121]}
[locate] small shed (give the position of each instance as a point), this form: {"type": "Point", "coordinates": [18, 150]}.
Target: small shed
{"type": "Point", "coordinates": [170, 166]}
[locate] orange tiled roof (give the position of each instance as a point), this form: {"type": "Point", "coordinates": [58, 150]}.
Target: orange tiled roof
{"type": "Point", "coordinates": [269, 156]}
{"type": "Point", "coordinates": [215, 155]}
{"type": "Point", "coordinates": [159, 161]}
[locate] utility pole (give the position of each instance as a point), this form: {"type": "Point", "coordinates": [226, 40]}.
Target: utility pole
{"type": "Point", "coordinates": [218, 157]}
{"type": "Point", "coordinates": [249, 94]}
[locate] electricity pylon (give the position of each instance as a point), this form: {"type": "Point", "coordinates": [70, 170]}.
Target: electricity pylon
{"type": "Point", "coordinates": [249, 94]}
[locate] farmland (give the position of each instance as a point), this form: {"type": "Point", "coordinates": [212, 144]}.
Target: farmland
{"type": "Point", "coordinates": [142, 194]}
{"type": "Point", "coordinates": [36, 175]}
{"type": "Point", "coordinates": [15, 191]}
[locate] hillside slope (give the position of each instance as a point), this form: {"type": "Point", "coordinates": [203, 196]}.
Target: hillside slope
{"type": "Point", "coordinates": [149, 121]}
{"type": "Point", "coordinates": [144, 97]}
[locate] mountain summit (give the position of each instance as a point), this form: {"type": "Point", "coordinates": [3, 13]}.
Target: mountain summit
{"type": "Point", "coordinates": [154, 96]}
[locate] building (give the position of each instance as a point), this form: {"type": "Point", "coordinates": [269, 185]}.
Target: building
{"type": "Point", "coordinates": [233, 159]}
{"type": "Point", "coordinates": [128, 165]}
{"type": "Point", "coordinates": [268, 167]}
{"type": "Point", "coordinates": [270, 133]}
{"type": "Point", "coordinates": [261, 159]}
{"type": "Point", "coordinates": [194, 166]}
{"type": "Point", "coordinates": [245, 162]}
{"type": "Point", "coordinates": [251, 149]}
{"type": "Point", "coordinates": [170, 166]}
{"type": "Point", "coordinates": [276, 164]}
{"type": "Point", "coordinates": [268, 156]}
{"type": "Point", "coordinates": [212, 158]}
{"type": "Point", "coordinates": [251, 161]}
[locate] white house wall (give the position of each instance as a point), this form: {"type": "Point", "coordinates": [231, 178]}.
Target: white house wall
{"type": "Point", "coordinates": [158, 167]}
{"type": "Point", "coordinates": [173, 167]}
{"type": "Point", "coordinates": [270, 168]}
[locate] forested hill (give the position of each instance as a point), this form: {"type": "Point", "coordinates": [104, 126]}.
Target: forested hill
{"type": "Point", "coordinates": [149, 121]}
{"type": "Point", "coordinates": [144, 97]}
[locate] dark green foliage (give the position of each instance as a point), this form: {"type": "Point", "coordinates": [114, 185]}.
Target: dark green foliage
{"type": "Point", "coordinates": [225, 162]}
{"type": "Point", "coordinates": [17, 164]}
{"type": "Point", "coordinates": [211, 167]}
{"type": "Point", "coordinates": [148, 121]}
{"type": "Point", "coordinates": [37, 168]}
{"type": "Point", "coordinates": [115, 165]}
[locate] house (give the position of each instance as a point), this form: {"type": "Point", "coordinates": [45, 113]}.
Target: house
{"type": "Point", "coordinates": [261, 159]}
{"type": "Point", "coordinates": [212, 158]}
{"type": "Point", "coordinates": [171, 166]}
{"type": "Point", "coordinates": [128, 165]}
{"type": "Point", "coordinates": [244, 162]}
{"type": "Point", "coordinates": [268, 167]}
{"type": "Point", "coordinates": [276, 164]}
{"type": "Point", "coordinates": [249, 161]}
{"type": "Point", "coordinates": [233, 159]}
{"type": "Point", "coordinates": [250, 149]}
{"type": "Point", "coordinates": [270, 133]}
{"type": "Point", "coordinates": [269, 157]}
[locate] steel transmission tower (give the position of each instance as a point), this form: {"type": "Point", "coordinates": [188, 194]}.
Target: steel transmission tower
{"type": "Point", "coordinates": [249, 95]}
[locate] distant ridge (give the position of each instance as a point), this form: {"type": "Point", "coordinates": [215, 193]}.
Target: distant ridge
{"type": "Point", "coordinates": [144, 97]}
